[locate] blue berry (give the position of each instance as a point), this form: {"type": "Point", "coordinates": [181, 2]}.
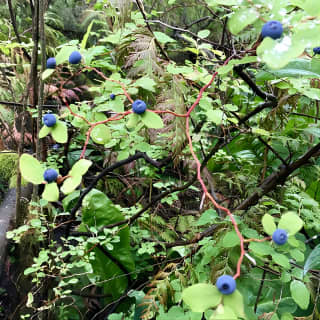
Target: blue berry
{"type": "Point", "coordinates": [75, 57]}
{"type": "Point", "coordinates": [50, 175]}
{"type": "Point", "coordinates": [112, 96]}
{"type": "Point", "coordinates": [316, 50]}
{"type": "Point", "coordinates": [49, 119]}
{"type": "Point", "coordinates": [272, 29]}
{"type": "Point", "coordinates": [51, 63]}
{"type": "Point", "coordinates": [280, 236]}
{"type": "Point", "coordinates": [226, 284]}
{"type": "Point", "coordinates": [139, 106]}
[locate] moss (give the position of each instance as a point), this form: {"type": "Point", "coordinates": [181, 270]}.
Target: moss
{"type": "Point", "coordinates": [8, 168]}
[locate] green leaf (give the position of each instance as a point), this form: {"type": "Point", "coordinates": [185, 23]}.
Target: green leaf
{"type": "Point", "coordinates": [51, 192]}
{"type": "Point", "coordinates": [297, 255]}
{"type": "Point", "coordinates": [269, 225]}
{"type": "Point", "coordinates": [298, 68]}
{"type": "Point", "coordinates": [300, 294]}
{"type": "Point", "coordinates": [163, 38]}
{"type": "Point", "coordinates": [242, 18]}
{"type": "Point", "coordinates": [201, 297]}
{"type": "Point", "coordinates": [261, 248]}
{"type": "Point", "coordinates": [146, 83]}
{"type": "Point", "coordinates": [313, 260]}
{"type": "Point", "coordinates": [216, 116]}
{"type": "Point", "coordinates": [278, 53]}
{"type": "Point", "coordinates": [312, 7]}
{"type": "Point", "coordinates": [47, 73]}
{"type": "Point", "coordinates": [281, 259]}
{"type": "Point", "coordinates": [203, 33]}
{"type": "Point", "coordinates": [86, 36]}
{"type": "Point", "coordinates": [152, 120]}
{"type": "Point", "coordinates": [101, 134]}
{"type": "Point", "coordinates": [59, 132]}
{"type": "Point", "coordinates": [31, 169]}
{"type": "Point", "coordinates": [231, 239]}
{"type": "Point", "coordinates": [224, 313]}
{"type": "Point", "coordinates": [235, 302]}
{"type": "Point", "coordinates": [80, 167]}
{"type": "Point", "coordinates": [44, 131]}
{"type": "Point", "coordinates": [209, 216]}
{"type": "Point", "coordinates": [71, 184]}
{"type": "Point", "coordinates": [290, 222]}
{"type": "Point", "coordinates": [64, 53]}
{"type": "Point", "coordinates": [133, 120]}
{"type": "Point", "coordinates": [286, 316]}
{"type": "Point", "coordinates": [97, 211]}
{"type": "Point", "coordinates": [70, 200]}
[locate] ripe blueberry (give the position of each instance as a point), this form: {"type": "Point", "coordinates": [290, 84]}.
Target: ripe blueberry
{"type": "Point", "coordinates": [75, 57]}
{"type": "Point", "coordinates": [280, 236]}
{"type": "Point", "coordinates": [112, 96]}
{"type": "Point", "coordinates": [316, 50]}
{"type": "Point", "coordinates": [50, 175]}
{"type": "Point", "coordinates": [49, 119]}
{"type": "Point", "coordinates": [51, 63]}
{"type": "Point", "coordinates": [272, 29]}
{"type": "Point", "coordinates": [226, 284]}
{"type": "Point", "coordinates": [139, 106]}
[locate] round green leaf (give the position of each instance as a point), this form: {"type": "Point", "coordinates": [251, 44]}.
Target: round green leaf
{"type": "Point", "coordinates": [47, 73]}
{"type": "Point", "coordinates": [80, 167]}
{"type": "Point", "coordinates": [231, 239]}
{"type": "Point", "coordinates": [64, 54]}
{"type": "Point", "coordinates": [59, 132]}
{"type": "Point", "coordinates": [242, 18]}
{"type": "Point", "coordinates": [71, 184]}
{"type": "Point", "coordinates": [201, 297]}
{"type": "Point", "coordinates": [31, 169]}
{"type": "Point", "coordinates": [51, 192]}
{"type": "Point", "coordinates": [133, 120]}
{"type": "Point", "coordinates": [44, 131]}
{"type": "Point", "coordinates": [300, 294]}
{"type": "Point", "coordinates": [235, 302]}
{"type": "Point", "coordinates": [313, 260]}
{"type": "Point", "coordinates": [152, 120]}
{"type": "Point", "coordinates": [101, 134]}
{"type": "Point", "coordinates": [286, 316]}
{"type": "Point", "coordinates": [268, 223]}
{"type": "Point", "coordinates": [290, 222]}
{"type": "Point", "coordinates": [224, 313]}
{"type": "Point", "coordinates": [281, 259]}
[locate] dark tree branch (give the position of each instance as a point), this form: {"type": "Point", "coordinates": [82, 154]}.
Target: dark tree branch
{"type": "Point", "coordinates": [150, 29]}
{"type": "Point", "coordinates": [245, 77]}
{"type": "Point", "coordinates": [260, 290]}
{"type": "Point", "coordinates": [259, 108]}
{"type": "Point", "coordinates": [277, 178]}
{"type": "Point", "coordinates": [217, 45]}
{"type": "Point", "coordinates": [15, 29]}
{"type": "Point", "coordinates": [138, 155]}
{"type": "Point", "coordinates": [118, 263]}
{"type": "Point", "coordinates": [198, 21]}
